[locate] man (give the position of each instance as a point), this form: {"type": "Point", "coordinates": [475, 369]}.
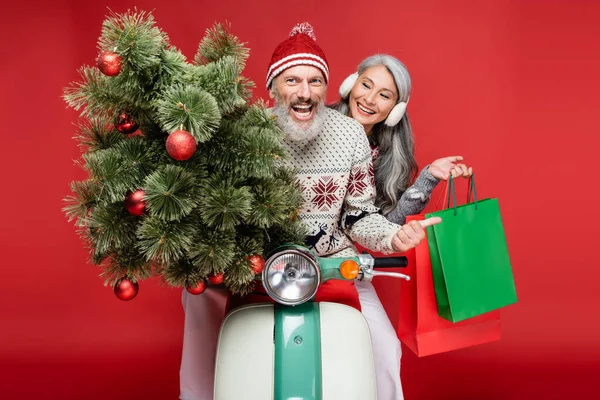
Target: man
{"type": "Point", "coordinates": [332, 154]}
{"type": "Point", "coordinates": [333, 159]}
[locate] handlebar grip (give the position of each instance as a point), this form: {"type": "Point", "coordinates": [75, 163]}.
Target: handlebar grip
{"type": "Point", "coordinates": [390, 262]}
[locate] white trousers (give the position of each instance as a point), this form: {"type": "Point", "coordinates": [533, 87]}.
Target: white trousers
{"type": "Point", "coordinates": [386, 346]}
{"type": "Point", "coordinates": [203, 317]}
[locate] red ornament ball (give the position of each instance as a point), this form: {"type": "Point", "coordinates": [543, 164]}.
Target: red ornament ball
{"type": "Point", "coordinates": [197, 289]}
{"type": "Point", "coordinates": [110, 63]}
{"type": "Point", "coordinates": [257, 263]}
{"type": "Point", "coordinates": [125, 289]}
{"type": "Point", "coordinates": [216, 278]}
{"type": "Point", "coordinates": [181, 145]}
{"type": "Point", "coordinates": [125, 123]}
{"type": "Point", "coordinates": [134, 203]}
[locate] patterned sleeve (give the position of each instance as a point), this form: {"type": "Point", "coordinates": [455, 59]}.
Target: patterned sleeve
{"type": "Point", "coordinates": [361, 219]}
{"type": "Point", "coordinates": [415, 198]}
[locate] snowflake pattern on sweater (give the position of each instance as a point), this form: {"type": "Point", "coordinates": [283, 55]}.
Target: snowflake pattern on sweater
{"type": "Point", "coordinates": [335, 173]}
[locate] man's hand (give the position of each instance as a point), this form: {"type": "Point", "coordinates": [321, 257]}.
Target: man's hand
{"type": "Point", "coordinates": [412, 233]}
{"type": "Point", "coordinates": [442, 168]}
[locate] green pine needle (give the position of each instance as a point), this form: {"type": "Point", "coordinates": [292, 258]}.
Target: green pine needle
{"type": "Point", "coordinates": [171, 193]}
{"type": "Point", "coordinates": [273, 204]}
{"type": "Point", "coordinates": [125, 263]}
{"type": "Point", "coordinates": [93, 94]}
{"type": "Point", "coordinates": [217, 43]}
{"type": "Point", "coordinates": [221, 79]}
{"type": "Point", "coordinates": [97, 134]}
{"type": "Point", "coordinates": [111, 227]}
{"type": "Point", "coordinates": [224, 205]}
{"type": "Point", "coordinates": [212, 251]}
{"type": "Point", "coordinates": [135, 37]}
{"type": "Point", "coordinates": [293, 232]}
{"type": "Point", "coordinates": [79, 205]}
{"type": "Point", "coordinates": [181, 273]}
{"type": "Point", "coordinates": [165, 242]}
{"type": "Point", "coordinates": [190, 108]}
{"type": "Point", "coordinates": [239, 277]}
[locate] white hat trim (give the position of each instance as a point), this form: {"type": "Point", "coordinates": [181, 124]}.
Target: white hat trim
{"type": "Point", "coordinates": [300, 61]}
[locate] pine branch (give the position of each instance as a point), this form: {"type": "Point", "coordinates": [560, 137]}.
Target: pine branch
{"type": "Point", "coordinates": [127, 262]}
{"type": "Point", "coordinates": [165, 242]}
{"type": "Point", "coordinates": [135, 37]}
{"type": "Point", "coordinates": [239, 276]}
{"type": "Point", "coordinates": [221, 79]}
{"type": "Point", "coordinates": [171, 193]}
{"type": "Point", "coordinates": [79, 206]}
{"type": "Point", "coordinates": [293, 233]}
{"type": "Point", "coordinates": [274, 203]}
{"type": "Point", "coordinates": [217, 43]}
{"type": "Point", "coordinates": [181, 273]}
{"type": "Point", "coordinates": [213, 251]}
{"type": "Point", "coordinates": [139, 159]}
{"type": "Point", "coordinates": [262, 152]}
{"type": "Point", "coordinates": [191, 108]}
{"type": "Point", "coordinates": [122, 168]}
{"type": "Point", "coordinates": [173, 68]}
{"type": "Point", "coordinates": [94, 94]}
{"type": "Point", "coordinates": [259, 116]}
{"type": "Point", "coordinates": [104, 167]}
{"type": "Point", "coordinates": [97, 134]}
{"type": "Point", "coordinates": [224, 205]}
{"type": "Point", "coordinates": [111, 227]}
{"type": "Point", "coordinates": [224, 151]}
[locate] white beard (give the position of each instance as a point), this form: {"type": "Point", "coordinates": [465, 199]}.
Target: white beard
{"type": "Point", "coordinates": [299, 131]}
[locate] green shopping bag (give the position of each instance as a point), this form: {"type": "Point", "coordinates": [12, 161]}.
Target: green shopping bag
{"type": "Point", "coordinates": [469, 258]}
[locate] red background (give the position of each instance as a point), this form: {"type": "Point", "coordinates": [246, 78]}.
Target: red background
{"type": "Point", "coordinates": [510, 85]}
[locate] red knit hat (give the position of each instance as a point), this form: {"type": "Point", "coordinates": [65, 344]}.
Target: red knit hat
{"type": "Point", "coordinates": [299, 49]}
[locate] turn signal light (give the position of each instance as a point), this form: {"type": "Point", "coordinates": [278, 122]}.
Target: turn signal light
{"type": "Point", "coordinates": [349, 269]}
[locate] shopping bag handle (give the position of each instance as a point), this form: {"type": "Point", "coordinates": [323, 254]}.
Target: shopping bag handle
{"type": "Point", "coordinates": [472, 192]}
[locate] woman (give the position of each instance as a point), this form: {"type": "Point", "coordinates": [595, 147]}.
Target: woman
{"type": "Point", "coordinates": [376, 96]}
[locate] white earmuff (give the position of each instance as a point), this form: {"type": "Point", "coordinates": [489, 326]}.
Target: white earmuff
{"type": "Point", "coordinates": [347, 85]}
{"type": "Point", "coordinates": [396, 114]}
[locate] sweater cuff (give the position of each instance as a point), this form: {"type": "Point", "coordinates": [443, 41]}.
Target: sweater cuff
{"type": "Point", "coordinates": [386, 243]}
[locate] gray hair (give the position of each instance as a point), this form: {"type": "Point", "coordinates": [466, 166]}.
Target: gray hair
{"type": "Point", "coordinates": [395, 167]}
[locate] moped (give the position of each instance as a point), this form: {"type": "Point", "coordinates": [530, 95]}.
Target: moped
{"type": "Point", "coordinates": [295, 348]}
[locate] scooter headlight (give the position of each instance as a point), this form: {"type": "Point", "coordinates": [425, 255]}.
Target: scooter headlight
{"type": "Point", "coordinates": [291, 276]}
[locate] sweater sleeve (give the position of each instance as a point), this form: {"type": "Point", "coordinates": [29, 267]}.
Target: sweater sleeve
{"type": "Point", "coordinates": [415, 198]}
{"type": "Point", "coordinates": [361, 219]}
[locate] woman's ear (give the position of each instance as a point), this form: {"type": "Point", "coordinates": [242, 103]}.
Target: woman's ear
{"type": "Point", "coordinates": [396, 114]}
{"type": "Point", "coordinates": [347, 85]}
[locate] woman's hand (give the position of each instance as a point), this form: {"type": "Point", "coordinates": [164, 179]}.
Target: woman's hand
{"type": "Point", "coordinates": [443, 167]}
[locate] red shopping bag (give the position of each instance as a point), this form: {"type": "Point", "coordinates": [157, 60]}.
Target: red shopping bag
{"type": "Point", "coordinates": [420, 327]}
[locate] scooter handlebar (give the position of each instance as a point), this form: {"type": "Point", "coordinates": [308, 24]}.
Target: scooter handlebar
{"type": "Point", "coordinates": [390, 262]}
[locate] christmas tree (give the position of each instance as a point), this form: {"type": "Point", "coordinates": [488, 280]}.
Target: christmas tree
{"type": "Point", "coordinates": [185, 178]}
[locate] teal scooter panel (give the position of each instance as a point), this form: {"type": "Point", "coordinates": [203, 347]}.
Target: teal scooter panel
{"type": "Point", "coordinates": [298, 372]}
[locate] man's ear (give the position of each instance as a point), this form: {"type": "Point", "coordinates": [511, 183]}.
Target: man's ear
{"type": "Point", "coordinates": [272, 89]}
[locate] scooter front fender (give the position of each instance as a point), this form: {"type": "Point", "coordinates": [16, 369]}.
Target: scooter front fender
{"type": "Point", "coordinates": [246, 363]}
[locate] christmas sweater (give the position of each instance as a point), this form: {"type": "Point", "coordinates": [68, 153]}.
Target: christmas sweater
{"type": "Point", "coordinates": [335, 173]}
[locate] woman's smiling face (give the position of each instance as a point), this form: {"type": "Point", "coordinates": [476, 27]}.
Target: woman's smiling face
{"type": "Point", "coordinates": [373, 96]}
